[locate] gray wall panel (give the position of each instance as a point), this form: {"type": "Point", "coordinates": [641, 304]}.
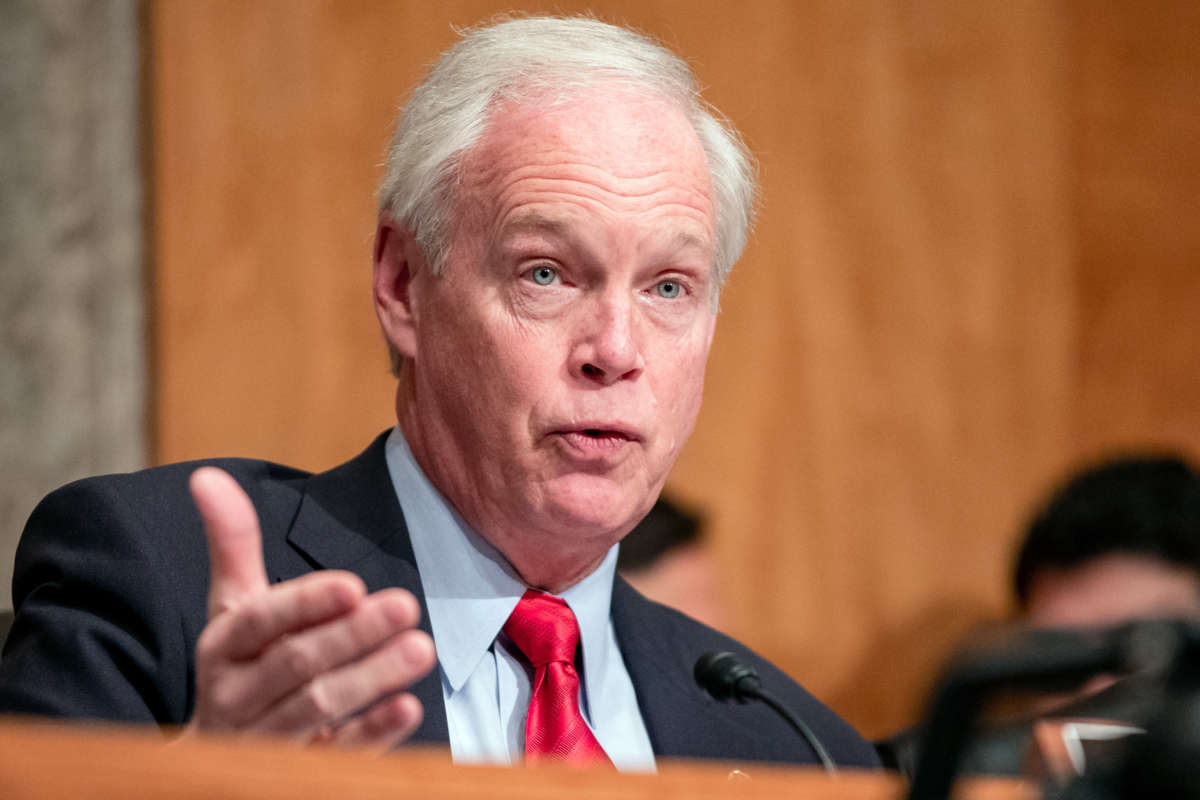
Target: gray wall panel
{"type": "Point", "coordinates": [72, 310]}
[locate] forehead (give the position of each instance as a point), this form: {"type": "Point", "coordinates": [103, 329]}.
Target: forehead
{"type": "Point", "coordinates": [606, 147]}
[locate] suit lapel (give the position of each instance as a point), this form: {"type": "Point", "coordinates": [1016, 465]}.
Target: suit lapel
{"type": "Point", "coordinates": [349, 518]}
{"type": "Point", "coordinates": [669, 701]}
{"type": "Point", "coordinates": [660, 653]}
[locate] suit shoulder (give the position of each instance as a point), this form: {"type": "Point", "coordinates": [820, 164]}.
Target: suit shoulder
{"type": "Point", "coordinates": [160, 490]}
{"type": "Point", "coordinates": [147, 512]}
{"type": "Point", "coordinates": [247, 471]}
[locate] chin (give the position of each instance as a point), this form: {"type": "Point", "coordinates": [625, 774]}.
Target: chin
{"type": "Point", "coordinates": [589, 506]}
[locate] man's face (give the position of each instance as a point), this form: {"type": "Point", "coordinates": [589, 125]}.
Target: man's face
{"type": "Point", "coordinates": [559, 360]}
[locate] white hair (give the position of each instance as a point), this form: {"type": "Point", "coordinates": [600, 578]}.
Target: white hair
{"type": "Point", "coordinates": [558, 57]}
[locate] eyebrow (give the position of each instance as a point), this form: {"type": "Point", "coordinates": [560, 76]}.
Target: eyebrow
{"type": "Point", "coordinates": [534, 222]}
{"type": "Point", "coordinates": [685, 239]}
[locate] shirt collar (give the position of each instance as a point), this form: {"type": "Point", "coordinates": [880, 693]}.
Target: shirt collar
{"type": "Point", "coordinates": [470, 589]}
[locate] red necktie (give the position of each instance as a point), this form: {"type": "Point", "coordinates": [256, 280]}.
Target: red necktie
{"type": "Point", "coordinates": [545, 631]}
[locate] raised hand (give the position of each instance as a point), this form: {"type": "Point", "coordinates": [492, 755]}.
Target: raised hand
{"type": "Point", "coordinates": [314, 659]}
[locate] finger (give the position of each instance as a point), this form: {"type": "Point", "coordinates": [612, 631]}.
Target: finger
{"type": "Point", "coordinates": [246, 631]}
{"type": "Point", "coordinates": [248, 688]}
{"type": "Point", "coordinates": [383, 726]}
{"type": "Point", "coordinates": [234, 540]}
{"type": "Point", "coordinates": [332, 697]}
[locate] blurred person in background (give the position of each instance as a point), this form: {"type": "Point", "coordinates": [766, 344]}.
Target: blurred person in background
{"type": "Point", "coordinates": [1117, 542]}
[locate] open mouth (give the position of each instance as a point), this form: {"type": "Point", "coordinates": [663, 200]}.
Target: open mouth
{"type": "Point", "coordinates": [597, 433]}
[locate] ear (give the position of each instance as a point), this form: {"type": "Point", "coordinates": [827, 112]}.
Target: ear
{"type": "Point", "coordinates": [398, 261]}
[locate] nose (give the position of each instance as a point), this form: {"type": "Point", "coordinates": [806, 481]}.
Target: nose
{"type": "Point", "coordinates": [607, 349]}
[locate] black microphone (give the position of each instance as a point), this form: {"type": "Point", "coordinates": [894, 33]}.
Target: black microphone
{"type": "Point", "coordinates": [726, 678]}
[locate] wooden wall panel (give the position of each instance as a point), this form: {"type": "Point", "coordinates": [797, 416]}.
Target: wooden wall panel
{"type": "Point", "coordinates": [918, 338]}
{"type": "Point", "coordinates": [1139, 216]}
{"type": "Point", "coordinates": [913, 388]}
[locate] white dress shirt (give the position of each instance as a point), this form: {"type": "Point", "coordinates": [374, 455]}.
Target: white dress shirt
{"type": "Point", "coordinates": [470, 590]}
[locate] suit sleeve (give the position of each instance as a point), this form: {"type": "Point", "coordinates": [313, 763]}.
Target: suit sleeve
{"type": "Point", "coordinates": [97, 633]}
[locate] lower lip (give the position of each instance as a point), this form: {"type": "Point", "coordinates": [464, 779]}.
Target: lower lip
{"type": "Point", "coordinates": [594, 447]}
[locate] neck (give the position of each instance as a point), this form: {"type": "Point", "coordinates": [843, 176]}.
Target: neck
{"type": "Point", "coordinates": [554, 580]}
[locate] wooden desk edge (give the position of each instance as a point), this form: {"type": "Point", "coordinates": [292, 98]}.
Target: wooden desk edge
{"type": "Point", "coordinates": [40, 758]}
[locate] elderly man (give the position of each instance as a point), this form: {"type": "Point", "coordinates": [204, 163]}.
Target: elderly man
{"type": "Point", "coordinates": [559, 213]}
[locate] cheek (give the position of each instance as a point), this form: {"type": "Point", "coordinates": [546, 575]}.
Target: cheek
{"type": "Point", "coordinates": [685, 365]}
{"type": "Point", "coordinates": [492, 368]}
{"type": "Point", "coordinates": [679, 396]}
{"type": "Point", "coordinates": [690, 402]}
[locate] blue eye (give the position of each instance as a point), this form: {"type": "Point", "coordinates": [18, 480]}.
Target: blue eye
{"type": "Point", "coordinates": [668, 289]}
{"type": "Point", "coordinates": [543, 276]}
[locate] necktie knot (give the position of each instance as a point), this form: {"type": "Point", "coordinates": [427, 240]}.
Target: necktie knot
{"type": "Point", "coordinates": [544, 629]}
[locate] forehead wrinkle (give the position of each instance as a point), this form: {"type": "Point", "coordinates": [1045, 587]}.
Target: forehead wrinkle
{"type": "Point", "coordinates": [551, 206]}
{"type": "Point", "coordinates": [555, 197]}
{"type": "Point", "coordinates": [498, 172]}
{"type": "Point", "coordinates": [602, 179]}
{"type": "Point", "coordinates": [557, 161]}
{"type": "Point", "coordinates": [665, 199]}
{"type": "Point", "coordinates": [531, 184]}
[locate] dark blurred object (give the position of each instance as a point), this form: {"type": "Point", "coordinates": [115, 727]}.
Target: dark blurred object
{"type": "Point", "coordinates": [1164, 654]}
{"type": "Point", "coordinates": [1160, 764]}
{"type": "Point", "coordinates": [665, 528]}
{"type": "Point", "coordinates": [6, 620]}
{"type": "Point", "coordinates": [1166, 761]}
{"type": "Point", "coordinates": [1062, 750]}
{"type": "Point", "coordinates": [1001, 748]}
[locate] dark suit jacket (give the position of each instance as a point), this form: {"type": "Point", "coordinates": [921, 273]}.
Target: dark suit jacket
{"type": "Point", "coordinates": [110, 591]}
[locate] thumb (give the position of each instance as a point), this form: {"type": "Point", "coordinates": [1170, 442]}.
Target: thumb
{"type": "Point", "coordinates": [234, 540]}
